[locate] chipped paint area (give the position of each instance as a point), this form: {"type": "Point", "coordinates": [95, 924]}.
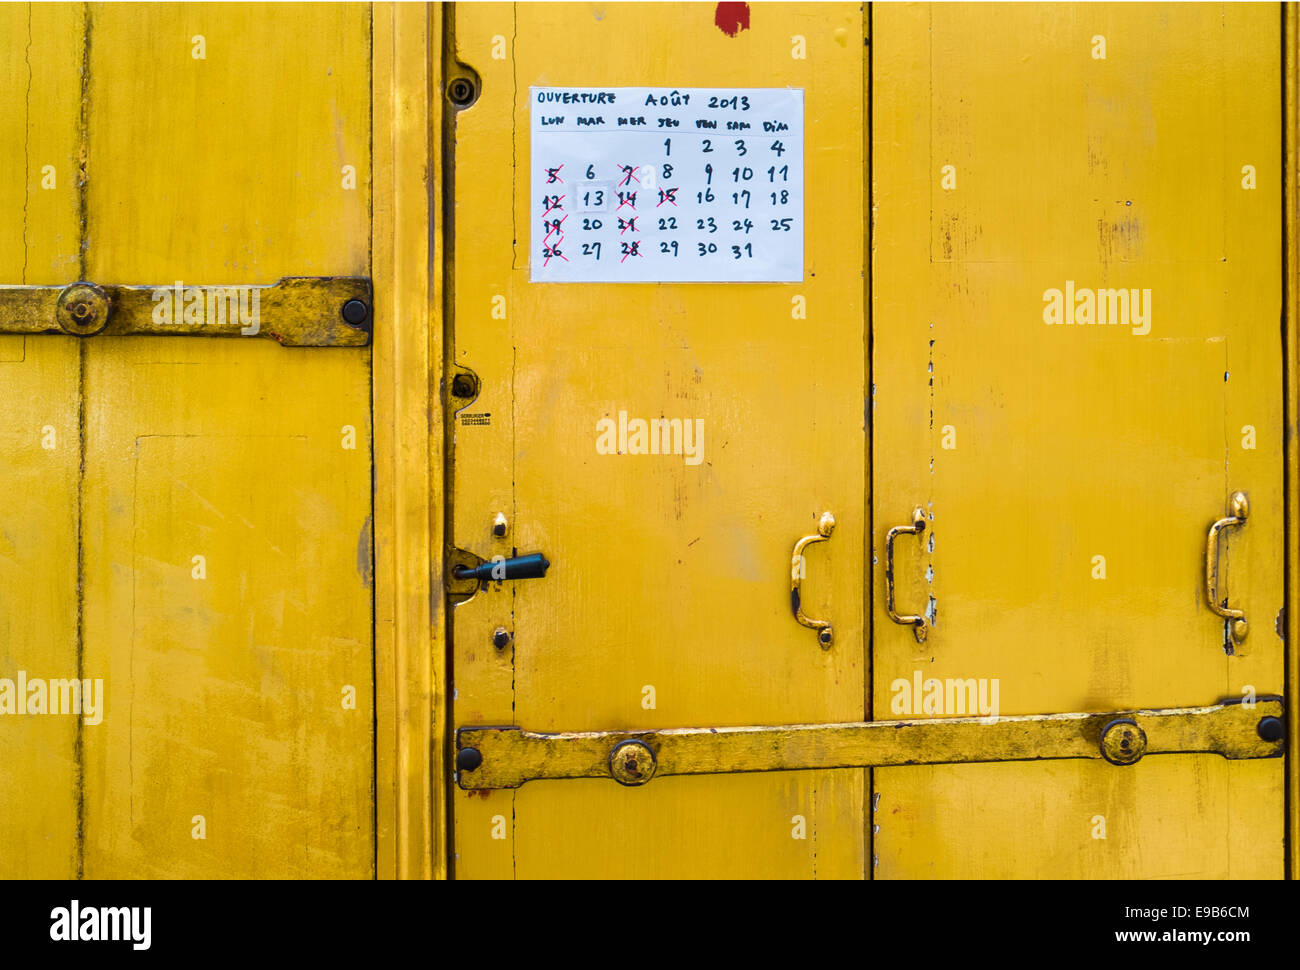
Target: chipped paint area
{"type": "Point", "coordinates": [732, 18]}
{"type": "Point", "coordinates": [365, 553]}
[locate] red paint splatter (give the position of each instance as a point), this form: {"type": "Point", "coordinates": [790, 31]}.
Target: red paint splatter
{"type": "Point", "coordinates": [732, 18]}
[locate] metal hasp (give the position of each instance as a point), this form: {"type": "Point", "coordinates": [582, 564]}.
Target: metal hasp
{"type": "Point", "coordinates": [506, 757]}
{"type": "Point", "coordinates": [296, 311]}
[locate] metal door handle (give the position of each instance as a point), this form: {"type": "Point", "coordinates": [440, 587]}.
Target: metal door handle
{"type": "Point", "coordinates": [917, 623]}
{"type": "Point", "coordinates": [1239, 510]}
{"type": "Point", "coordinates": [531, 566]}
{"type": "Point", "coordinates": [825, 526]}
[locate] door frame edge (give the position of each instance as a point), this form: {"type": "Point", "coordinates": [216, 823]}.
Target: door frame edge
{"type": "Point", "coordinates": [409, 653]}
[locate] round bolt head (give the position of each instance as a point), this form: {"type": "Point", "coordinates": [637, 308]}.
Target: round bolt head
{"type": "Point", "coordinates": [1123, 742]}
{"type": "Point", "coordinates": [825, 637]}
{"type": "Point", "coordinates": [82, 309]}
{"type": "Point", "coordinates": [499, 525]}
{"type": "Point", "coordinates": [501, 638]}
{"type": "Point", "coordinates": [826, 524]}
{"type": "Point", "coordinates": [632, 763]}
{"type": "Point", "coordinates": [1238, 631]}
{"type": "Point", "coordinates": [1271, 729]}
{"type": "Point", "coordinates": [355, 312]}
{"type": "Point", "coordinates": [467, 759]}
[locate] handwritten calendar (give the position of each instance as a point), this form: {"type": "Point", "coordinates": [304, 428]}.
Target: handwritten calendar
{"type": "Point", "coordinates": [678, 185]}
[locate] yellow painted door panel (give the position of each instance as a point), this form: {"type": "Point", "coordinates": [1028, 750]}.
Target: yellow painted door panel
{"type": "Point", "coordinates": [666, 603]}
{"type": "Point", "coordinates": [1070, 447]}
{"type": "Point", "coordinates": [39, 454]}
{"type": "Point", "coordinates": [214, 506]}
{"type": "Point", "coordinates": [229, 689]}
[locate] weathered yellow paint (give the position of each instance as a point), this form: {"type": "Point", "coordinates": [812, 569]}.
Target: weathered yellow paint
{"type": "Point", "coordinates": [297, 312]}
{"type": "Point", "coordinates": [1074, 441]}
{"type": "Point", "coordinates": [1291, 364]}
{"type": "Point", "coordinates": [512, 756]}
{"type": "Point", "coordinates": [209, 500]}
{"type": "Point", "coordinates": [226, 694]}
{"type": "Point", "coordinates": [39, 241]}
{"type": "Point", "coordinates": [1035, 448]}
{"type": "Point", "coordinates": [664, 575]}
{"type": "Point", "coordinates": [410, 649]}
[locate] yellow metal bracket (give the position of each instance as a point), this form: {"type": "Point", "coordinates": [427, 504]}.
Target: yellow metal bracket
{"type": "Point", "coordinates": [506, 757]}
{"type": "Point", "coordinates": [296, 311]}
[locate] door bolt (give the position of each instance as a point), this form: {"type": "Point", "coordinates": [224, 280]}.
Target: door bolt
{"type": "Point", "coordinates": [632, 763]}
{"type": "Point", "coordinates": [1270, 729]}
{"type": "Point", "coordinates": [1123, 742]}
{"type": "Point", "coordinates": [83, 309]}
{"type": "Point", "coordinates": [355, 312]}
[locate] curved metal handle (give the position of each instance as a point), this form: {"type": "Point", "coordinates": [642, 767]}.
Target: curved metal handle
{"type": "Point", "coordinates": [1239, 510]}
{"type": "Point", "coordinates": [825, 526]}
{"type": "Point", "coordinates": [917, 623]}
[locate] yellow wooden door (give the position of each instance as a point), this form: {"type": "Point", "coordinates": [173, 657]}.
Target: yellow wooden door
{"type": "Point", "coordinates": [1075, 369]}
{"type": "Point", "coordinates": [38, 385]}
{"type": "Point", "coordinates": [1070, 447]}
{"type": "Point", "coordinates": [666, 601]}
{"type": "Point", "coordinates": [187, 518]}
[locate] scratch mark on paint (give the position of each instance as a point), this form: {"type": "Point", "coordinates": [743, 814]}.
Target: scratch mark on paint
{"type": "Point", "coordinates": [365, 554]}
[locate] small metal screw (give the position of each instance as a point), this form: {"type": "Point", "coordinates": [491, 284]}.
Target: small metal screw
{"type": "Point", "coordinates": [467, 759]}
{"type": "Point", "coordinates": [499, 525]}
{"type": "Point", "coordinates": [1271, 729]}
{"type": "Point", "coordinates": [461, 91]}
{"type": "Point", "coordinates": [355, 312]}
{"type": "Point", "coordinates": [501, 638]}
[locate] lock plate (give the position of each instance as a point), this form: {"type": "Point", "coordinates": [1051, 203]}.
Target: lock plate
{"type": "Point", "coordinates": [511, 756]}
{"type": "Point", "coordinates": [296, 311]}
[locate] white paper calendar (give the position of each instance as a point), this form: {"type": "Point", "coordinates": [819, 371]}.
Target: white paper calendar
{"type": "Point", "coordinates": [679, 185]}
